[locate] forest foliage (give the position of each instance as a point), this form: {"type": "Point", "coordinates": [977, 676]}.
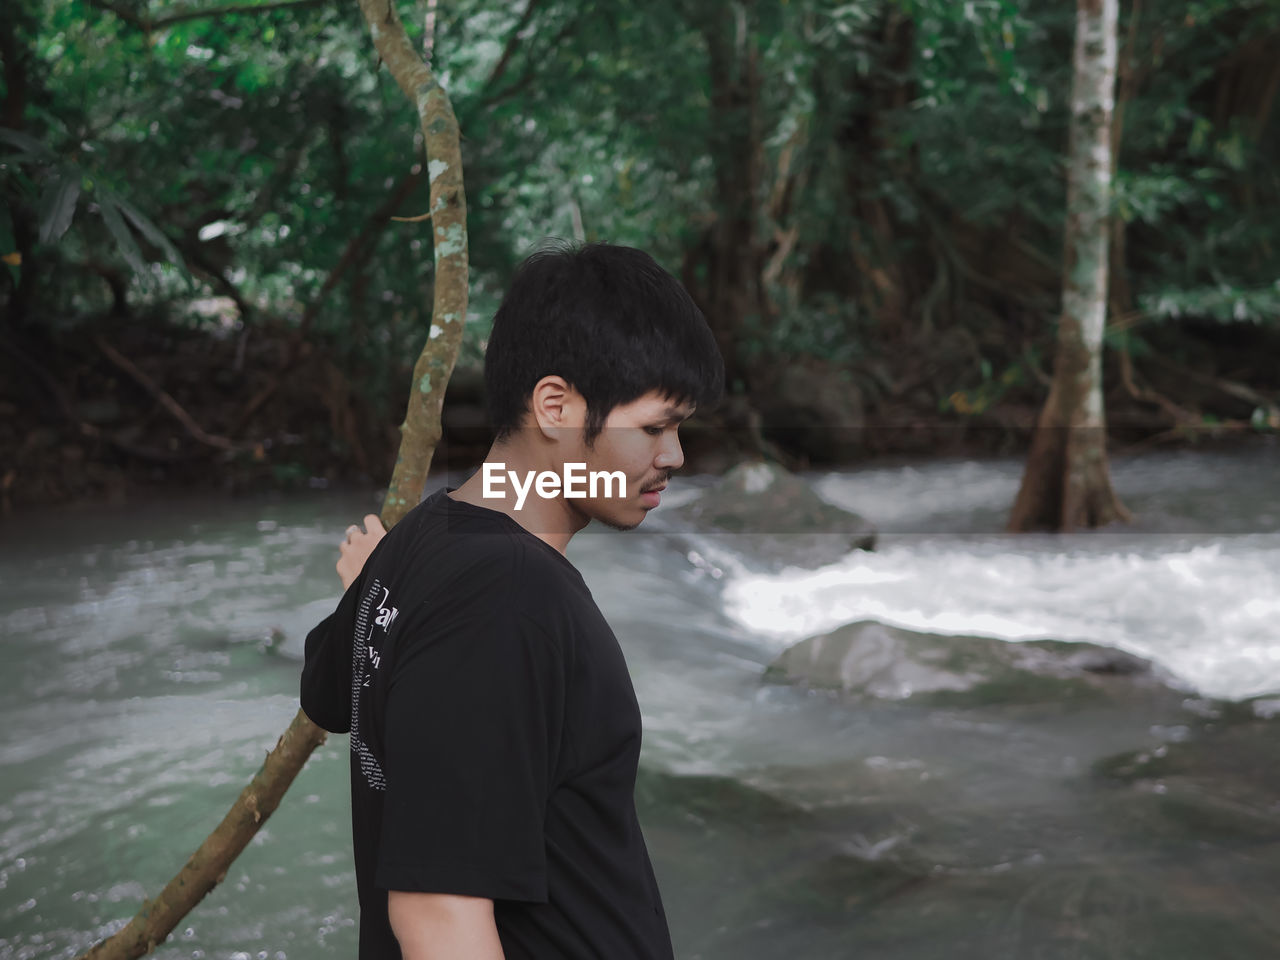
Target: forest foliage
{"type": "Point", "coordinates": [868, 192]}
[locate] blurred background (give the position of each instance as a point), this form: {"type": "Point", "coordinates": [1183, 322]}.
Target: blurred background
{"type": "Point", "coordinates": [866, 199]}
{"type": "Point", "coordinates": [918, 737]}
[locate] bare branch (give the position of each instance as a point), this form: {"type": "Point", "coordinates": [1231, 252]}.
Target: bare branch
{"type": "Point", "coordinates": [419, 435]}
{"type": "Point", "coordinates": [421, 429]}
{"type": "Point", "coordinates": [156, 23]}
{"type": "Point", "coordinates": [358, 249]}
{"type": "Point", "coordinates": [162, 397]}
{"type": "Point", "coordinates": [513, 41]}
{"type": "Point", "coordinates": [510, 91]}
{"type": "Point", "coordinates": [208, 865]}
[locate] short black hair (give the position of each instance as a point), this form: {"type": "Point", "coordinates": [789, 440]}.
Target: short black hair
{"type": "Point", "coordinates": [610, 321]}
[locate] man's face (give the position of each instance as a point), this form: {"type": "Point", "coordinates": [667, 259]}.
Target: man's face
{"type": "Point", "coordinates": [640, 440]}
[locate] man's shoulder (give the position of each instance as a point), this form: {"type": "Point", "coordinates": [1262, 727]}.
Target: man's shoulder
{"type": "Point", "coordinates": [440, 526]}
{"type": "Point", "coordinates": [467, 552]}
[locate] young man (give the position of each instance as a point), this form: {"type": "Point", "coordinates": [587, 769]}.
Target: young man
{"type": "Point", "coordinates": [495, 732]}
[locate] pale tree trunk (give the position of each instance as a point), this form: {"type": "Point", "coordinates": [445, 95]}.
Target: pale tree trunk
{"type": "Point", "coordinates": [420, 432]}
{"type": "Point", "coordinates": [1067, 482]}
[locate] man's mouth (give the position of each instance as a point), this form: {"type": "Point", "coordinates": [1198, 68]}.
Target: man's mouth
{"type": "Point", "coordinates": [650, 497]}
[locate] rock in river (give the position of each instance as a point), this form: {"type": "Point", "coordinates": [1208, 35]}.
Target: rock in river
{"type": "Point", "coordinates": [775, 518]}
{"type": "Point", "coordinates": [872, 659]}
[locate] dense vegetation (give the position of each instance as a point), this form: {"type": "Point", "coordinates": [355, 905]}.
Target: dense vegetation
{"type": "Point", "coordinates": [202, 278]}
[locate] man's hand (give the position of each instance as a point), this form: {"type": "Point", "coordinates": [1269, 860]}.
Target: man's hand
{"type": "Point", "coordinates": [355, 549]}
{"type": "Point", "coordinates": [440, 926]}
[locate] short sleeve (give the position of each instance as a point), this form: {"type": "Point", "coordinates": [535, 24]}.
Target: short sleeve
{"type": "Point", "coordinates": [325, 693]}
{"type": "Point", "coordinates": [473, 720]}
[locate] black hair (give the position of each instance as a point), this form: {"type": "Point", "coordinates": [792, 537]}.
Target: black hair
{"type": "Point", "coordinates": [610, 321]}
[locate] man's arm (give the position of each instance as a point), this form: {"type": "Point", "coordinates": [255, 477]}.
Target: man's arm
{"type": "Point", "coordinates": [441, 926]}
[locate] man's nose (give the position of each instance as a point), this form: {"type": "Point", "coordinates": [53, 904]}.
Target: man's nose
{"type": "Point", "coordinates": [671, 456]}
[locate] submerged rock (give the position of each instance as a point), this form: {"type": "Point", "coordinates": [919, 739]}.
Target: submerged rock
{"type": "Point", "coordinates": [873, 659]}
{"type": "Point", "coordinates": [836, 859]}
{"type": "Point", "coordinates": [1220, 783]}
{"type": "Point", "coordinates": [705, 797]}
{"type": "Point", "coordinates": [775, 518]}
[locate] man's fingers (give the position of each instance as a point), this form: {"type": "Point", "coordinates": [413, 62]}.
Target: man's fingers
{"type": "Point", "coordinates": [372, 525]}
{"type": "Point", "coordinates": [356, 546]}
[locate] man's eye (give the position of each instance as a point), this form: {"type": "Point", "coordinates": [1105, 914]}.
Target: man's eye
{"type": "Point", "coordinates": [653, 431]}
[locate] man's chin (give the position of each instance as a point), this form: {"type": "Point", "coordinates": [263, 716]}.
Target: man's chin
{"type": "Point", "coordinates": [620, 521]}
{"type": "Point", "coordinates": [615, 524]}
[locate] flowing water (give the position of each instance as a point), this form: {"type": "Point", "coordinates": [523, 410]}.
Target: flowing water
{"type": "Point", "coordinates": [151, 654]}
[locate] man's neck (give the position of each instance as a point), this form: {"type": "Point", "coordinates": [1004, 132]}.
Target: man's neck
{"type": "Point", "coordinates": [551, 520]}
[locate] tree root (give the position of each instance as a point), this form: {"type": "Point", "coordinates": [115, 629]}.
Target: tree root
{"type": "Point", "coordinates": [88, 430]}
{"type": "Point", "coordinates": [196, 431]}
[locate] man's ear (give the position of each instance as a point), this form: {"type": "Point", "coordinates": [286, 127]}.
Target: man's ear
{"type": "Point", "coordinates": [555, 405]}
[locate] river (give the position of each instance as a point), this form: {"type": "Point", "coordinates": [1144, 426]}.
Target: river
{"type": "Point", "coordinates": [151, 655]}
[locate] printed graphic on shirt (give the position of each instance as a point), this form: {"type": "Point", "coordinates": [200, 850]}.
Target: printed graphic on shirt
{"type": "Point", "coordinates": [374, 618]}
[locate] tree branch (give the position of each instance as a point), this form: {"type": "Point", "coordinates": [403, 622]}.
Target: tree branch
{"type": "Point", "coordinates": [67, 409]}
{"type": "Point", "coordinates": [421, 428]}
{"type": "Point", "coordinates": [523, 80]}
{"type": "Point", "coordinates": [206, 867]}
{"type": "Point", "coordinates": [509, 49]}
{"type": "Point", "coordinates": [162, 397]}
{"type": "Point", "coordinates": [156, 23]}
{"type": "Point", "coordinates": [356, 252]}
{"type": "Point", "coordinates": [419, 435]}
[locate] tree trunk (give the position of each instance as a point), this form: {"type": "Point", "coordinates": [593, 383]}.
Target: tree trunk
{"type": "Point", "coordinates": [865, 142]}
{"type": "Point", "coordinates": [17, 40]}
{"type": "Point", "coordinates": [1067, 482]}
{"type": "Point", "coordinates": [420, 432]}
{"type": "Point", "coordinates": [733, 292]}
{"type": "Point", "coordinates": [1120, 295]}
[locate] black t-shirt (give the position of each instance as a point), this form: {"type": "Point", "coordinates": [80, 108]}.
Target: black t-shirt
{"type": "Point", "coordinates": [495, 736]}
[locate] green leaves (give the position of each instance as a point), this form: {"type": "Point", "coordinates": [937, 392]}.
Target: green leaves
{"type": "Point", "coordinates": [154, 234]}
{"type": "Point", "coordinates": [64, 188]}
{"type": "Point", "coordinates": [1150, 196]}
{"type": "Point", "coordinates": [1224, 303]}
{"type": "Point", "coordinates": [25, 147]}
{"type": "Point", "coordinates": [108, 206]}
{"type": "Point", "coordinates": [58, 205]}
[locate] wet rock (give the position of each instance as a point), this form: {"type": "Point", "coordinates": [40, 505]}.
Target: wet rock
{"type": "Point", "coordinates": [1221, 783]}
{"type": "Point", "coordinates": [746, 873]}
{"type": "Point", "coordinates": [755, 873]}
{"type": "Point", "coordinates": [814, 408]}
{"type": "Point", "coordinates": [1265, 708]}
{"type": "Point", "coordinates": [704, 797]}
{"type": "Point", "coordinates": [875, 660]}
{"type": "Point", "coordinates": [775, 518]}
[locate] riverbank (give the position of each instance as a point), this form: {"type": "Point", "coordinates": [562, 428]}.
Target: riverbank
{"type": "Point", "coordinates": [133, 411]}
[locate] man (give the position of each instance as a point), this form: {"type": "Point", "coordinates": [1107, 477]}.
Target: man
{"type": "Point", "coordinates": [495, 732]}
